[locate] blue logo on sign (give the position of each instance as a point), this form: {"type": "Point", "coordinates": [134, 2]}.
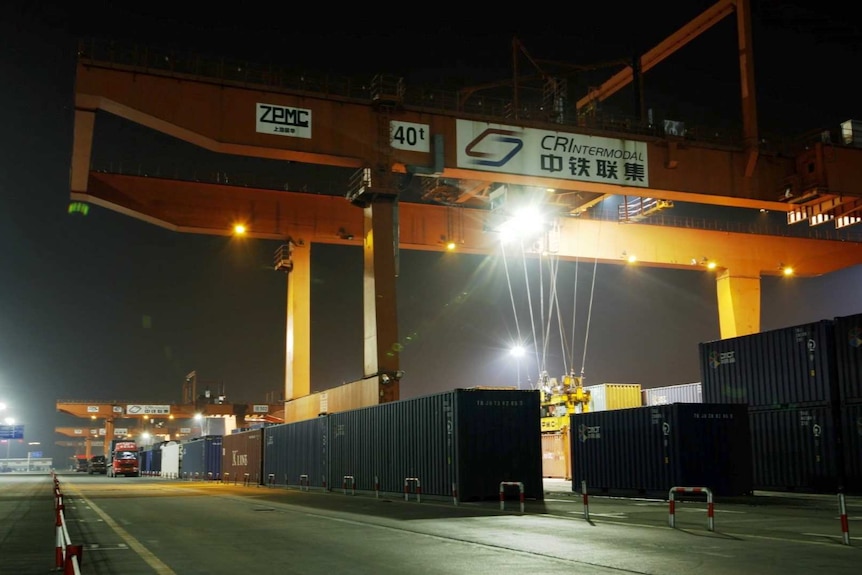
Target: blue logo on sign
{"type": "Point", "coordinates": [512, 145]}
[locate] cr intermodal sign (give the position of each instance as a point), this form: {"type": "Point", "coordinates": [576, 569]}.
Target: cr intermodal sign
{"type": "Point", "coordinates": [11, 432]}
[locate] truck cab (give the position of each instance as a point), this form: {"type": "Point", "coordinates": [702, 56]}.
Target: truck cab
{"type": "Point", "coordinates": [124, 459]}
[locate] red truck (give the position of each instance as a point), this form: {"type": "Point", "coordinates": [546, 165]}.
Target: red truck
{"type": "Point", "coordinates": [123, 459]}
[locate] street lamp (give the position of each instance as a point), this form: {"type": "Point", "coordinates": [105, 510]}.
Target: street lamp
{"type": "Point", "coordinates": [9, 421]}
{"type": "Point", "coordinates": [200, 419]}
{"type": "Point", "coordinates": [29, 453]}
{"type": "Point", "coordinates": [518, 352]}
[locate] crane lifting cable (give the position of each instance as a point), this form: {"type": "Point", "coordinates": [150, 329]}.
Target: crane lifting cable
{"type": "Point", "coordinates": [590, 309]}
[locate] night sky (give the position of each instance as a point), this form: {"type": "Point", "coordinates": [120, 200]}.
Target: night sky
{"type": "Point", "coordinates": [104, 307]}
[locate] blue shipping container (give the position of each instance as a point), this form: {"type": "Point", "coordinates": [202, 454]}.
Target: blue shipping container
{"type": "Point", "coordinates": [463, 442]}
{"type": "Point", "coordinates": [647, 451]}
{"type": "Point", "coordinates": [848, 351]}
{"type": "Point", "coordinates": [295, 453]}
{"type": "Point", "coordinates": [795, 449]}
{"type": "Point", "coordinates": [200, 458]}
{"type": "Point", "coordinates": [790, 367]}
{"type": "Point", "coordinates": [851, 426]}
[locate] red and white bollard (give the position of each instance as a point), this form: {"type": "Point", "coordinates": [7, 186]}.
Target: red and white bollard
{"type": "Point", "coordinates": [418, 490]}
{"type": "Point", "coordinates": [520, 486]}
{"type": "Point", "coordinates": [710, 510]}
{"type": "Point", "coordinates": [845, 526]}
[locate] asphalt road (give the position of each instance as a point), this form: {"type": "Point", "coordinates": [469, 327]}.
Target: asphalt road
{"type": "Point", "coordinates": [136, 526]}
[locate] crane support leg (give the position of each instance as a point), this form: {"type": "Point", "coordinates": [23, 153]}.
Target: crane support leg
{"type": "Point", "coordinates": [738, 304]}
{"type": "Point", "coordinates": [82, 149]}
{"type": "Point", "coordinates": [297, 377]}
{"type": "Point", "coordinates": [750, 134]}
{"type": "Point", "coordinates": [381, 350]}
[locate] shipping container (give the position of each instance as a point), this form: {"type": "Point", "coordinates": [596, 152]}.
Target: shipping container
{"type": "Point", "coordinates": [851, 425]}
{"type": "Point", "coordinates": [354, 395]}
{"type": "Point", "coordinates": [790, 367]}
{"type": "Point", "coordinates": [295, 453]}
{"type": "Point", "coordinates": [848, 354]}
{"type": "Point", "coordinates": [464, 440]}
{"type": "Point", "coordinates": [682, 393]}
{"type": "Point", "coordinates": [242, 457]}
{"type": "Point", "coordinates": [795, 449]}
{"type": "Point", "coordinates": [170, 459]}
{"type": "Point", "coordinates": [555, 455]}
{"type": "Point", "coordinates": [147, 463]}
{"type": "Point", "coordinates": [200, 458]}
{"type": "Point", "coordinates": [607, 396]}
{"type": "Point", "coordinates": [646, 451]}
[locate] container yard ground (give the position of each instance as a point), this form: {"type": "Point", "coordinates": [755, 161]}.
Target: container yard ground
{"type": "Point", "coordinates": [748, 537]}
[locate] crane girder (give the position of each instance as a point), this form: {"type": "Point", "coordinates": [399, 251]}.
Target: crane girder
{"type": "Point", "coordinates": [200, 208]}
{"type": "Point", "coordinates": [112, 411]}
{"type": "Point", "coordinates": [346, 134]}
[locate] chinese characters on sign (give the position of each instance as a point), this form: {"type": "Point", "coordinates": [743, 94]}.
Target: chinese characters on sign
{"type": "Point", "coordinates": [283, 120]}
{"type": "Point", "coordinates": [530, 152]}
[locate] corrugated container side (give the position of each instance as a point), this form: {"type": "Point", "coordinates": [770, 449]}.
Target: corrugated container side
{"type": "Point", "coordinates": [682, 393]}
{"type": "Point", "coordinates": [242, 453]}
{"type": "Point", "coordinates": [555, 455]}
{"type": "Point", "coordinates": [795, 449]}
{"type": "Point", "coordinates": [793, 366]}
{"type": "Point", "coordinates": [171, 459]}
{"type": "Point", "coordinates": [848, 352]}
{"type": "Point", "coordinates": [212, 457]}
{"type": "Point", "coordinates": [354, 395]}
{"type": "Point", "coordinates": [292, 450]}
{"type": "Point", "coordinates": [851, 425]}
{"type": "Point", "coordinates": [607, 396]}
{"type": "Point", "coordinates": [192, 458]}
{"type": "Point", "coordinates": [395, 441]}
{"type": "Point", "coordinates": [649, 450]}
{"type": "Point", "coordinates": [472, 439]}
{"type": "Point", "coordinates": [146, 460]}
{"type": "Point", "coordinates": [499, 439]}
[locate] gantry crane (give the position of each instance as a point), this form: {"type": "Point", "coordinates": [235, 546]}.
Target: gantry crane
{"type": "Point", "coordinates": [477, 152]}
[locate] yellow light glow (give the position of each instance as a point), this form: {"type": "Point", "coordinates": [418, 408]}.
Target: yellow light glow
{"type": "Point", "coordinates": [711, 265]}
{"type": "Point", "coordinates": [632, 259]}
{"type": "Point", "coordinates": [450, 246]}
{"type": "Point", "coordinates": [239, 229]}
{"type": "Point", "coordinates": [788, 271]}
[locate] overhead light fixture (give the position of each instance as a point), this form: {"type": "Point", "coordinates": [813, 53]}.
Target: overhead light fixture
{"type": "Point", "coordinates": [785, 270]}
{"type": "Point", "coordinates": [708, 263]}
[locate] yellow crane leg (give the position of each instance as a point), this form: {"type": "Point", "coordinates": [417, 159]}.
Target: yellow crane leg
{"type": "Point", "coordinates": [738, 304]}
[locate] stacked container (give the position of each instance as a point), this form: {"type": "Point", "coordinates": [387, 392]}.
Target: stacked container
{"type": "Point", "coordinates": [848, 352]}
{"type": "Point", "coordinates": [787, 378]}
{"type": "Point", "coordinates": [682, 393]}
{"type": "Point", "coordinates": [649, 450]}
{"type": "Point", "coordinates": [607, 396]}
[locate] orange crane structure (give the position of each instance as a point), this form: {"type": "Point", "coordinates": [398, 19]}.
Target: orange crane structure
{"type": "Point", "coordinates": [471, 153]}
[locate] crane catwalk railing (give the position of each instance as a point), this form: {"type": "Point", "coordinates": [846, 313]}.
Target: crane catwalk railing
{"type": "Point", "coordinates": [243, 73]}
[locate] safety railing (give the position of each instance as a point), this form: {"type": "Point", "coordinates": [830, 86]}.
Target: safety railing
{"type": "Point", "coordinates": [418, 488]}
{"type": "Point", "coordinates": [710, 511]}
{"type": "Point", "coordinates": [519, 485]}
{"type": "Point", "coordinates": [67, 556]}
{"type": "Point", "coordinates": [351, 481]}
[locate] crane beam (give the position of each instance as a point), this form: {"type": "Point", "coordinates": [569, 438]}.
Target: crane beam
{"type": "Point", "coordinates": [661, 51]}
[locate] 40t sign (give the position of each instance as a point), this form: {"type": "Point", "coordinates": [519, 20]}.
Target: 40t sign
{"type": "Point", "coordinates": [409, 136]}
